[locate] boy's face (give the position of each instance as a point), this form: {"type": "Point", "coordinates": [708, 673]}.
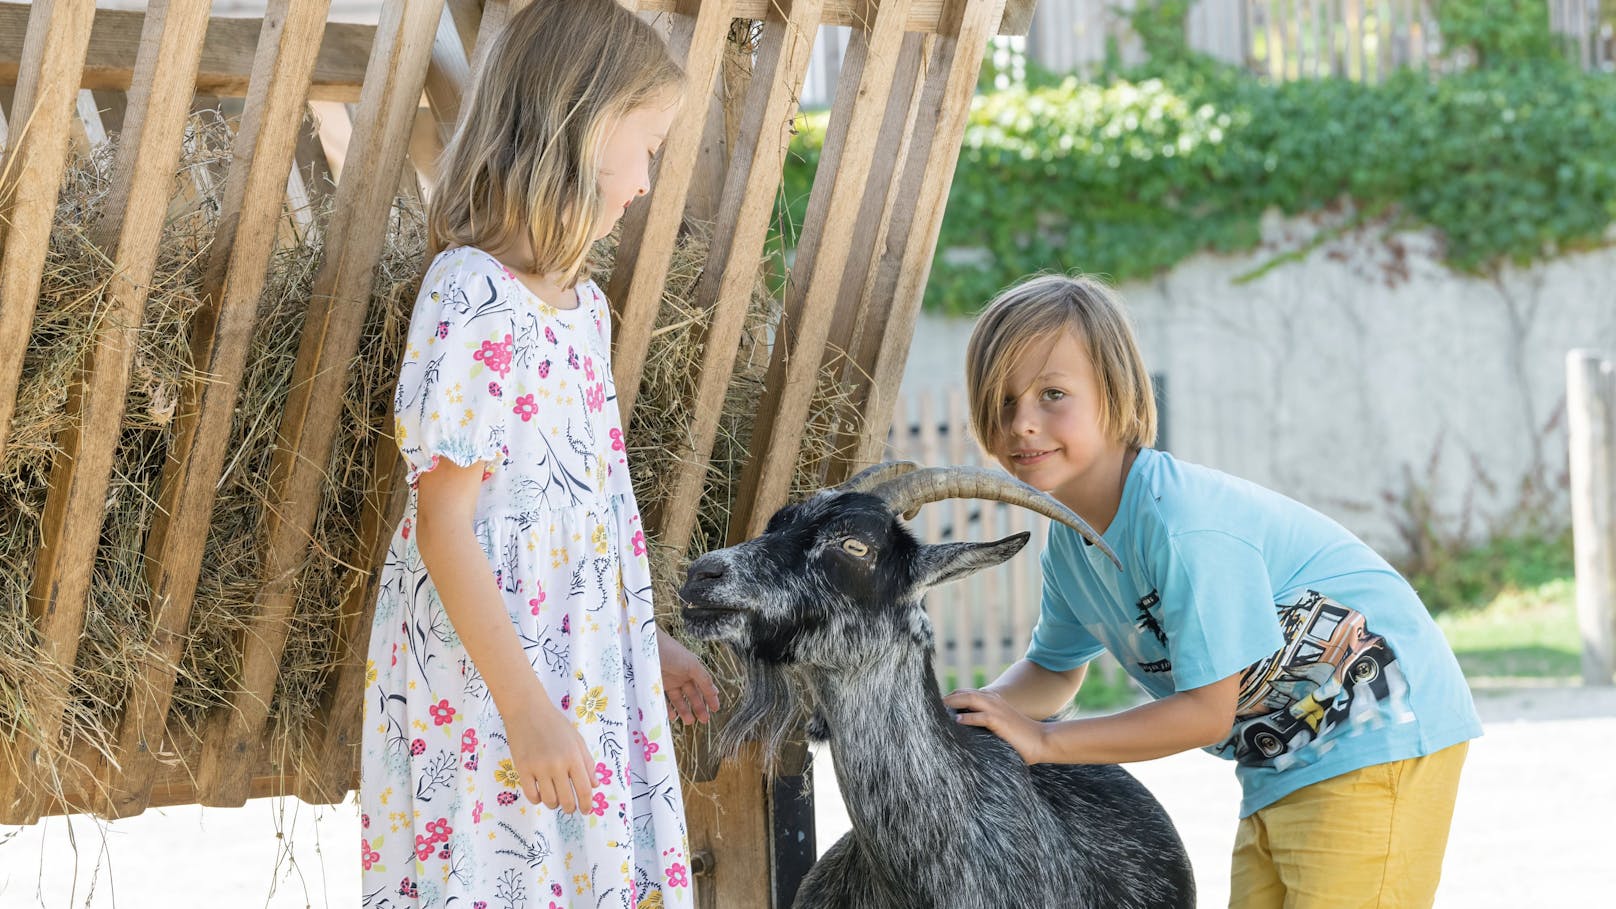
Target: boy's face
{"type": "Point", "coordinates": [1053, 439]}
{"type": "Point", "coordinates": [625, 167]}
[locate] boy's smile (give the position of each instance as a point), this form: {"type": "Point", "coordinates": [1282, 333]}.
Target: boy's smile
{"type": "Point", "coordinates": [1054, 436]}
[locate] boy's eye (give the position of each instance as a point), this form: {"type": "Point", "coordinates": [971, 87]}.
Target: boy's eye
{"type": "Point", "coordinates": [1053, 394]}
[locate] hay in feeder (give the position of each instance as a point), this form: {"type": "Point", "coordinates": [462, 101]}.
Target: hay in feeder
{"type": "Point", "coordinates": [117, 631]}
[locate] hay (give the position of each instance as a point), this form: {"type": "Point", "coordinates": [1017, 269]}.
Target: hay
{"type": "Point", "coordinates": [117, 630]}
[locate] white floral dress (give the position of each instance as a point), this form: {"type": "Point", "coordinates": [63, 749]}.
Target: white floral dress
{"type": "Point", "coordinates": [493, 374]}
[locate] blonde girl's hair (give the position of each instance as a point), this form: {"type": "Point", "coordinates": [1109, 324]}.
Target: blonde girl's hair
{"type": "Point", "coordinates": [1025, 320]}
{"type": "Point", "coordinates": [523, 165]}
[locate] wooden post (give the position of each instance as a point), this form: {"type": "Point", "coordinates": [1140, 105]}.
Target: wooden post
{"type": "Point", "coordinates": [1591, 407]}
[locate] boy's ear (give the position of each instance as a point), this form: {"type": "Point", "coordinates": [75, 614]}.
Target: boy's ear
{"type": "Point", "coordinates": [944, 562]}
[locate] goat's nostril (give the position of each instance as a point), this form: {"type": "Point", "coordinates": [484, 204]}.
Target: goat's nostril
{"type": "Point", "coordinates": [706, 571]}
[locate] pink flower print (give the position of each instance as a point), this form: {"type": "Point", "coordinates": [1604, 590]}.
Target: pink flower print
{"type": "Point", "coordinates": [442, 713]}
{"type": "Point", "coordinates": [443, 329]}
{"type": "Point", "coordinates": [617, 439]}
{"type": "Point", "coordinates": [468, 741]}
{"type": "Point", "coordinates": [538, 601]}
{"type": "Point", "coordinates": [496, 356]}
{"type": "Point", "coordinates": [572, 358]}
{"type": "Point", "coordinates": [406, 530]}
{"type": "Point", "coordinates": [639, 542]}
{"type": "Point", "coordinates": [368, 855]}
{"type": "Point", "coordinates": [438, 831]}
{"type": "Point", "coordinates": [598, 809]}
{"type": "Point", "coordinates": [549, 335]}
{"type": "Point", "coordinates": [649, 746]}
{"type": "Point", "coordinates": [603, 773]}
{"type": "Point", "coordinates": [395, 656]}
{"type": "Point", "coordinates": [589, 368]}
{"type": "Point", "coordinates": [525, 408]}
{"type": "Point", "coordinates": [506, 797]}
{"type": "Point", "coordinates": [544, 369]}
{"type": "Point", "coordinates": [495, 391]}
{"type": "Point", "coordinates": [595, 397]}
{"type": "Point", "coordinates": [677, 876]}
{"type": "Point", "coordinates": [423, 848]}
{"type": "Point", "coordinates": [418, 747]}
{"type": "Point", "coordinates": [477, 813]}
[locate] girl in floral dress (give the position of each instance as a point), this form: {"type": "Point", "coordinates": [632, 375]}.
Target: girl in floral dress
{"type": "Point", "coordinates": [517, 751]}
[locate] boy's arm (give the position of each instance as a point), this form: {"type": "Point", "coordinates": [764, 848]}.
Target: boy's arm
{"type": "Point", "coordinates": [1037, 692]}
{"type": "Point", "coordinates": [1179, 722]}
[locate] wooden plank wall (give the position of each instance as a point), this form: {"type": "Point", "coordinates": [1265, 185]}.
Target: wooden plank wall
{"type": "Point", "coordinates": [850, 305]}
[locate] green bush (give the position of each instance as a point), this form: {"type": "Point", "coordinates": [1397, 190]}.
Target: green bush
{"type": "Point", "coordinates": [1129, 175]}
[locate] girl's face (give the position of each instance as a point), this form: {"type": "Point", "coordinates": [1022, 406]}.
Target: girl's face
{"type": "Point", "coordinates": [632, 140]}
{"type": "Point", "coordinates": [1053, 438]}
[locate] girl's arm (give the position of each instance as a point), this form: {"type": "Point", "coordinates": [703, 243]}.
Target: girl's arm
{"type": "Point", "coordinates": [1179, 722]}
{"type": "Point", "coordinates": [549, 754]}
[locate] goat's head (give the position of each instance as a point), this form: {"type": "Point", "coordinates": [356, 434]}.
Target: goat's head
{"type": "Point", "coordinates": [836, 580]}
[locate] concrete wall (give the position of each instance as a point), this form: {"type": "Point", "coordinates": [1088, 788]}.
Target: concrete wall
{"type": "Point", "coordinates": [1363, 375]}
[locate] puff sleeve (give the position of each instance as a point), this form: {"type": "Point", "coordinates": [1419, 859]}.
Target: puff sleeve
{"type": "Point", "coordinates": [450, 401]}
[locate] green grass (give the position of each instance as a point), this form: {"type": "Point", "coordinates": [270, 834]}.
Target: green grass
{"type": "Point", "coordinates": [1520, 632]}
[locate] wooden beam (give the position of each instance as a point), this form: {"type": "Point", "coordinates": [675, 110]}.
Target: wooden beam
{"type": "Point", "coordinates": [53, 49]}
{"type": "Point", "coordinates": [227, 54]}
{"type": "Point", "coordinates": [923, 15]}
{"type": "Point", "coordinates": [143, 175]}
{"type": "Point", "coordinates": [815, 277]}
{"type": "Point", "coordinates": [221, 338]}
{"type": "Point", "coordinates": [732, 264]}
{"type": "Point", "coordinates": [651, 228]}
{"type": "Point", "coordinates": [1591, 436]}
{"type": "Point", "coordinates": [340, 298]}
{"type": "Point", "coordinates": [728, 818]}
{"type": "Point", "coordinates": [901, 273]}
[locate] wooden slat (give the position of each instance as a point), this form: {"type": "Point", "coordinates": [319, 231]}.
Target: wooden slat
{"type": "Point", "coordinates": [922, 15]}
{"type": "Point", "coordinates": [225, 68]}
{"type": "Point", "coordinates": [929, 172]}
{"type": "Point", "coordinates": [651, 227]}
{"type": "Point", "coordinates": [727, 818]}
{"type": "Point", "coordinates": [448, 76]}
{"type": "Point", "coordinates": [143, 174]}
{"type": "Point", "coordinates": [815, 278]}
{"type": "Point", "coordinates": [342, 289]}
{"type": "Point", "coordinates": [221, 336]}
{"type": "Point", "coordinates": [57, 36]}
{"type": "Point", "coordinates": [731, 269]}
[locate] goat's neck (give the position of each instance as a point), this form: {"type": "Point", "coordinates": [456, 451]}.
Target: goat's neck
{"type": "Point", "coordinates": [908, 785]}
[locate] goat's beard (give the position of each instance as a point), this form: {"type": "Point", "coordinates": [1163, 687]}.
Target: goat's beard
{"type": "Point", "coordinates": [774, 708]}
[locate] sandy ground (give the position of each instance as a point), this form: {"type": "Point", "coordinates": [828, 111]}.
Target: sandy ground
{"type": "Point", "coordinates": [1532, 828]}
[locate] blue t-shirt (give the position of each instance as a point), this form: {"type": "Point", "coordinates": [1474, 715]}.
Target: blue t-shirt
{"type": "Point", "coordinates": [1341, 665]}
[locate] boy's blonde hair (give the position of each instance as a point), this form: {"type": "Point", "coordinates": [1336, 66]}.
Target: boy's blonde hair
{"type": "Point", "coordinates": [1024, 320]}
{"type": "Point", "coordinates": [523, 165]}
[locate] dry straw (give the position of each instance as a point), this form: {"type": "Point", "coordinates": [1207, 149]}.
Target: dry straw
{"type": "Point", "coordinates": [117, 629]}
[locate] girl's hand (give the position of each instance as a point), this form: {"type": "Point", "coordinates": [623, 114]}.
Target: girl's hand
{"type": "Point", "coordinates": [987, 709]}
{"type": "Point", "coordinates": [692, 695]}
{"type": "Point", "coordinates": [551, 759]}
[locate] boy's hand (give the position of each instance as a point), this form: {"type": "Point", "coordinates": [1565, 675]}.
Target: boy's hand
{"type": "Point", "coordinates": [690, 689]}
{"type": "Point", "coordinates": [987, 709]}
{"type": "Point", "coordinates": [550, 757]}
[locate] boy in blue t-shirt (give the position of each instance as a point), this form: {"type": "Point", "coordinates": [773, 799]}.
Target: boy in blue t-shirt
{"type": "Point", "coordinates": [1267, 633]}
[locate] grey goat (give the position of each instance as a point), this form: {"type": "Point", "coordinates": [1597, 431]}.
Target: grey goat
{"type": "Point", "coordinates": [824, 609]}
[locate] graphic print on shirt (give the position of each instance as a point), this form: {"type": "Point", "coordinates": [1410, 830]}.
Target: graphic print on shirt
{"type": "Point", "coordinates": [1332, 673]}
{"type": "Point", "coordinates": [1148, 623]}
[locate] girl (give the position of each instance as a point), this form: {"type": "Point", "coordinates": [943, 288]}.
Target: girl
{"type": "Point", "coordinates": [514, 660]}
{"type": "Point", "coordinates": [1268, 633]}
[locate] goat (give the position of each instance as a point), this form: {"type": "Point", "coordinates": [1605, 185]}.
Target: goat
{"type": "Point", "coordinates": [824, 609]}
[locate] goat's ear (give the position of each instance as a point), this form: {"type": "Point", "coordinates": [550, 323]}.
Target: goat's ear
{"type": "Point", "coordinates": [946, 562]}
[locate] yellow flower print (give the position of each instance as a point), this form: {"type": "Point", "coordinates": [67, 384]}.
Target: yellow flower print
{"type": "Point", "coordinates": [599, 538]}
{"type": "Point", "coordinates": [466, 420]}
{"type": "Point", "coordinates": [399, 432]}
{"type": "Point", "coordinates": [370, 672]}
{"type": "Point", "coordinates": [386, 794]}
{"type": "Point", "coordinates": [653, 900]}
{"type": "Point", "coordinates": [506, 775]}
{"type": "Point", "coordinates": [591, 705]}
{"type": "Point", "coordinates": [454, 395]}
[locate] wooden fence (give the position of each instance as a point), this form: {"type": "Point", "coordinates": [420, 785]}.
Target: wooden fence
{"type": "Point", "coordinates": [1591, 435]}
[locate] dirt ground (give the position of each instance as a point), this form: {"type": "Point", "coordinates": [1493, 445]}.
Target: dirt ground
{"type": "Point", "coordinates": [1532, 828]}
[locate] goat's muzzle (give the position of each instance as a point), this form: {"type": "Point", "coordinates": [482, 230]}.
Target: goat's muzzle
{"type": "Point", "coordinates": [706, 614]}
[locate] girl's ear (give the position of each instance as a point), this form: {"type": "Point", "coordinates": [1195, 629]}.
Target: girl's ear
{"type": "Point", "coordinates": [944, 562]}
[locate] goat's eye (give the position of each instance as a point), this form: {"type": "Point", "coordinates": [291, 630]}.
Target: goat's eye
{"type": "Point", "coordinates": [855, 548]}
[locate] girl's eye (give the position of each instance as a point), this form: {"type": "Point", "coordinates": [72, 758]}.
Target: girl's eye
{"type": "Point", "coordinates": [855, 548]}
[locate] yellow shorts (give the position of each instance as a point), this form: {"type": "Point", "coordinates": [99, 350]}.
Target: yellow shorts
{"type": "Point", "coordinates": [1369, 838]}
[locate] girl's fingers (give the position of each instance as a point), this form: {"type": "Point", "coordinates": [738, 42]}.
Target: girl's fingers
{"type": "Point", "coordinates": [582, 782]}
{"type": "Point", "coordinates": [703, 696]}
{"type": "Point", "coordinates": [677, 703]}
{"type": "Point", "coordinates": [584, 769]}
{"type": "Point", "coordinates": [564, 790]}
{"type": "Point", "coordinates": [546, 792]}
{"type": "Point", "coordinates": [708, 689]}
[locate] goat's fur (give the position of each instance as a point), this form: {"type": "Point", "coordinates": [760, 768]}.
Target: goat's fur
{"type": "Point", "coordinates": [944, 815]}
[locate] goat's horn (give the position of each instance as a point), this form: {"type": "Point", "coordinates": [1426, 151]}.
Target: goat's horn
{"type": "Point", "coordinates": [906, 493]}
{"type": "Point", "coordinates": [870, 477]}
